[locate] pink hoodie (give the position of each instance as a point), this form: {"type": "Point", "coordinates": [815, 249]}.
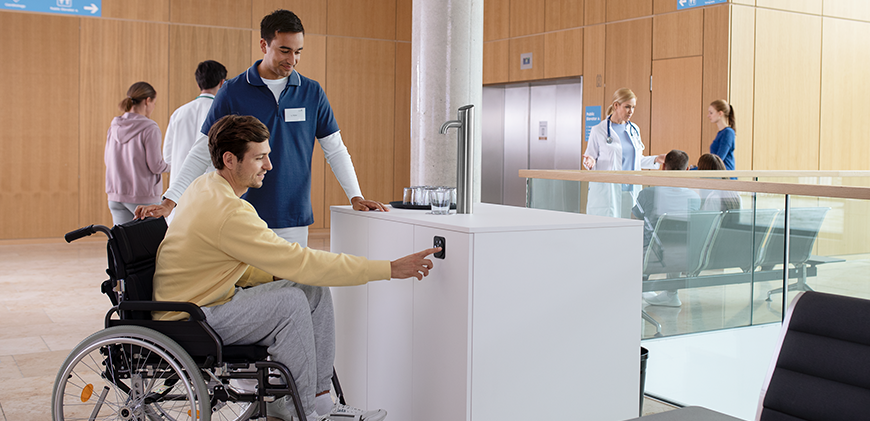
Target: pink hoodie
{"type": "Point", "coordinates": [133, 160]}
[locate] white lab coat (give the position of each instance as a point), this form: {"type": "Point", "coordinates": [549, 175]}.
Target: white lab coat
{"type": "Point", "coordinates": [605, 199]}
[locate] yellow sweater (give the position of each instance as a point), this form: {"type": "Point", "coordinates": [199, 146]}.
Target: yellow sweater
{"type": "Point", "coordinates": [217, 242]}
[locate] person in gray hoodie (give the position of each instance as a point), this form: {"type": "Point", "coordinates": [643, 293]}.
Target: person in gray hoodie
{"type": "Point", "coordinates": [134, 162]}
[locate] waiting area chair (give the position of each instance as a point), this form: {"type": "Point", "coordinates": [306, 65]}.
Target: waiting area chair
{"type": "Point", "coordinates": [819, 370]}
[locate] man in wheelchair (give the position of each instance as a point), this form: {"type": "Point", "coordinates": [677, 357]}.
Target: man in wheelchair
{"type": "Point", "coordinates": [251, 284]}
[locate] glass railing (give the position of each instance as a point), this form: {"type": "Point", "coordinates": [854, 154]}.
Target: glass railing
{"type": "Point", "coordinates": [714, 272]}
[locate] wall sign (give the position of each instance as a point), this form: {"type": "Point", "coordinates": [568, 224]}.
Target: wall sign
{"type": "Point", "coordinates": [593, 117]}
{"type": "Point", "coordinates": [62, 7]}
{"type": "Point", "coordinates": [685, 4]}
{"type": "Point", "coordinates": [525, 61]}
{"type": "Point", "coordinates": [542, 130]}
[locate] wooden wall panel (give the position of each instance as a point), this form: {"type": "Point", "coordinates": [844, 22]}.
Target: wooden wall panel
{"type": "Point", "coordinates": [787, 85]}
{"type": "Point", "coordinates": [312, 65]}
{"type": "Point", "coordinates": [664, 6]}
{"type": "Point", "coordinates": [844, 94]}
{"type": "Point", "coordinates": [495, 62]}
{"type": "Point", "coordinates": [563, 53]}
{"type": "Point", "coordinates": [404, 18]}
{"type": "Point", "coordinates": [190, 45]}
{"type": "Point", "coordinates": [563, 14]}
{"type": "Point", "coordinates": [848, 9]}
{"type": "Point", "coordinates": [108, 67]}
{"type": "Point", "coordinates": [678, 34]}
{"type": "Point", "coordinates": [402, 134]}
{"type": "Point", "coordinates": [228, 13]}
{"type": "Point", "coordinates": [365, 19]}
{"type": "Point", "coordinates": [38, 140]}
{"type": "Point", "coordinates": [676, 107]}
{"type": "Point", "coordinates": [631, 66]}
{"type": "Point", "coordinates": [628, 9]}
{"type": "Point", "coordinates": [312, 13]}
{"type": "Point", "coordinates": [152, 10]}
{"type": "Point", "coordinates": [496, 19]}
{"type": "Point", "coordinates": [802, 6]}
{"type": "Point", "coordinates": [716, 70]}
{"type": "Point", "coordinates": [595, 12]}
{"type": "Point", "coordinates": [361, 75]}
{"type": "Point", "coordinates": [744, 2]}
{"type": "Point", "coordinates": [741, 90]}
{"type": "Point", "coordinates": [593, 70]}
{"type": "Point", "coordinates": [527, 17]}
{"type": "Point", "coordinates": [520, 46]}
{"type": "Point", "coordinates": [312, 62]}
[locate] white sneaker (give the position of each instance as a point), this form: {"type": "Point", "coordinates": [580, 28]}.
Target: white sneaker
{"type": "Point", "coordinates": [667, 299]}
{"type": "Point", "coordinates": [648, 295]}
{"type": "Point", "coordinates": [348, 413]}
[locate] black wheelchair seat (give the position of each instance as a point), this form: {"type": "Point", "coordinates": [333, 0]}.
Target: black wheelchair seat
{"type": "Point", "coordinates": [187, 349]}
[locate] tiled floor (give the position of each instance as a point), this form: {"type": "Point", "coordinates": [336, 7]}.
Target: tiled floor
{"type": "Point", "coordinates": [50, 300]}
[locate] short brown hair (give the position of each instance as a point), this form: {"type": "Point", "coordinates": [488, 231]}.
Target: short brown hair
{"type": "Point", "coordinates": [676, 160]}
{"type": "Point", "coordinates": [232, 133]}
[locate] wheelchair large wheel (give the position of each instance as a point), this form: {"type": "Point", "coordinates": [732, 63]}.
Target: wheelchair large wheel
{"type": "Point", "coordinates": [227, 410]}
{"type": "Point", "coordinates": [129, 373]}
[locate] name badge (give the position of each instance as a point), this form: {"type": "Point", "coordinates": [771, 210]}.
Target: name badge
{"type": "Point", "coordinates": [294, 114]}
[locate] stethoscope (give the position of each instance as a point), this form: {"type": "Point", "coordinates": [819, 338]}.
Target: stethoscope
{"type": "Point", "coordinates": [609, 137]}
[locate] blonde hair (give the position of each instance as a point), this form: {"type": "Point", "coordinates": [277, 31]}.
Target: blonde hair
{"type": "Point", "coordinates": [137, 93]}
{"type": "Point", "coordinates": [727, 112]}
{"type": "Point", "coordinates": [620, 96]}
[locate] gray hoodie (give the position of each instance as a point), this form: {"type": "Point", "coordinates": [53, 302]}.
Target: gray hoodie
{"type": "Point", "coordinates": [134, 161]}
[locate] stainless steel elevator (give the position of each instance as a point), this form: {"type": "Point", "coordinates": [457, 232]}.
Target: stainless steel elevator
{"type": "Point", "coordinates": [528, 126]}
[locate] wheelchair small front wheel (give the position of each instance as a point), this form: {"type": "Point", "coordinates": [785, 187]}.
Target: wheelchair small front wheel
{"type": "Point", "coordinates": [129, 373]}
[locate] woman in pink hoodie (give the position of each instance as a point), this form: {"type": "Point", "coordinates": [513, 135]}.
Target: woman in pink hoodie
{"type": "Point", "coordinates": [134, 162]}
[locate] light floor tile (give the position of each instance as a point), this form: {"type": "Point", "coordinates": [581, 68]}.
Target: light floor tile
{"type": "Point", "coordinates": [23, 345]}
{"type": "Point", "coordinates": [9, 368]}
{"type": "Point", "coordinates": [40, 363]}
{"type": "Point", "coordinates": [27, 399]}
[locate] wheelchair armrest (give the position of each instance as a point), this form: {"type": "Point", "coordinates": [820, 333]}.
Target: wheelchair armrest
{"type": "Point", "coordinates": [190, 308]}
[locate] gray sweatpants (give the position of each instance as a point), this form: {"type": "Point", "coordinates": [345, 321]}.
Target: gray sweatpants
{"type": "Point", "coordinates": [295, 321]}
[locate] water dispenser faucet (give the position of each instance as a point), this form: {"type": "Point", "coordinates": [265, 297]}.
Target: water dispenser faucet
{"type": "Point", "coordinates": [464, 157]}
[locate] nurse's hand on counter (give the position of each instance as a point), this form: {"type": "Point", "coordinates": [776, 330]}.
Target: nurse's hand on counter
{"type": "Point", "coordinates": [163, 209]}
{"type": "Point", "coordinates": [361, 204]}
{"type": "Point", "coordinates": [588, 162]}
{"type": "Point", "coordinates": [413, 265]}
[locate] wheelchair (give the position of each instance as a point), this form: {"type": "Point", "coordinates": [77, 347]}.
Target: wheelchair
{"type": "Point", "coordinates": [143, 369]}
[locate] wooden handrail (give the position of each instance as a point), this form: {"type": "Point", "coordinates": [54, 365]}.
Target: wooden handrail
{"type": "Point", "coordinates": [712, 180]}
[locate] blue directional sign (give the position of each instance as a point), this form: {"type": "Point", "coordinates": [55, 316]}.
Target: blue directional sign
{"type": "Point", "coordinates": [593, 117]}
{"type": "Point", "coordinates": [686, 4]}
{"type": "Point", "coordinates": [62, 7]}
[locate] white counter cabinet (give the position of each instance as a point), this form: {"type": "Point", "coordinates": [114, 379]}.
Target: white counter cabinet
{"type": "Point", "coordinates": [531, 315]}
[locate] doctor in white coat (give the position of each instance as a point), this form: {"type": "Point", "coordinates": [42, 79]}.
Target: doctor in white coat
{"type": "Point", "coordinates": [615, 145]}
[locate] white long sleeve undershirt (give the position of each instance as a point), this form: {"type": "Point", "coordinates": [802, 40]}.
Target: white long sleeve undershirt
{"type": "Point", "coordinates": [198, 162]}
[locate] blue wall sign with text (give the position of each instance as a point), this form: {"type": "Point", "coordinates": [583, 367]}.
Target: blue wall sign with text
{"type": "Point", "coordinates": [685, 4]}
{"type": "Point", "coordinates": [593, 117]}
{"type": "Point", "coordinates": [62, 7]}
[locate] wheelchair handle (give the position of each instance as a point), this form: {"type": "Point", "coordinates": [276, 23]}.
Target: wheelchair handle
{"type": "Point", "coordinates": [86, 231]}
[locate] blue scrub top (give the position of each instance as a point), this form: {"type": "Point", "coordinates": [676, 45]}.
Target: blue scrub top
{"type": "Point", "coordinates": [301, 115]}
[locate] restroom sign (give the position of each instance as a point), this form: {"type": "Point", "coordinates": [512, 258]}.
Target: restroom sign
{"type": "Point", "coordinates": [686, 4]}
{"type": "Point", "coordinates": [62, 7]}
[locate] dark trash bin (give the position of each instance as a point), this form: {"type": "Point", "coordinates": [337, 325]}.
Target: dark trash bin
{"type": "Point", "coordinates": [644, 354]}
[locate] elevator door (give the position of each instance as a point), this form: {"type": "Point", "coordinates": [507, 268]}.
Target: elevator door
{"type": "Point", "coordinates": [528, 126]}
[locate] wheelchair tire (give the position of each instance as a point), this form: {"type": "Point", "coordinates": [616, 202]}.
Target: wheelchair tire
{"type": "Point", "coordinates": [129, 373]}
